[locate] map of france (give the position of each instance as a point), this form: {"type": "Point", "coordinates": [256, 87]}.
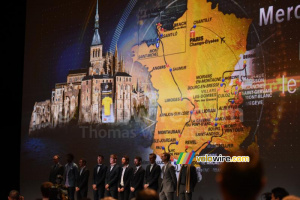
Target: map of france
{"type": "Point", "coordinates": [191, 67]}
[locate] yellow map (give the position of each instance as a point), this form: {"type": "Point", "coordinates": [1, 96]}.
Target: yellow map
{"type": "Point", "coordinates": [187, 69]}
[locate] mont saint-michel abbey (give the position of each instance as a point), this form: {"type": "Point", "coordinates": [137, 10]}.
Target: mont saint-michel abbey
{"type": "Point", "coordinates": [101, 93]}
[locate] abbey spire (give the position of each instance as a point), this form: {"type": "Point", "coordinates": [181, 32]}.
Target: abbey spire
{"type": "Point", "coordinates": [96, 37]}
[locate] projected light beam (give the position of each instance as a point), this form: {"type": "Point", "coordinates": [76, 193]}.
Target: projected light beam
{"type": "Point", "coordinates": [121, 25]}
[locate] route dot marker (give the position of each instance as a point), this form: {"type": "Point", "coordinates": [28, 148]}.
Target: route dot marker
{"type": "Point", "coordinates": [186, 146]}
{"type": "Point", "coordinates": [236, 87]}
{"type": "Point", "coordinates": [232, 101]}
{"type": "Point", "coordinates": [218, 89]}
{"type": "Point", "coordinates": [176, 142]}
{"type": "Point", "coordinates": [235, 92]}
{"type": "Point", "coordinates": [181, 98]}
{"type": "Point", "coordinates": [212, 123]}
{"type": "Point", "coordinates": [222, 126]}
{"type": "Point", "coordinates": [216, 119]}
{"type": "Point", "coordinates": [170, 69]}
{"type": "Point", "coordinates": [216, 124]}
{"type": "Point", "coordinates": [179, 135]}
{"type": "Point", "coordinates": [223, 79]}
{"type": "Point", "coordinates": [167, 65]}
{"type": "Point", "coordinates": [162, 29]}
{"type": "Point", "coordinates": [221, 84]}
{"type": "Point", "coordinates": [163, 148]}
{"type": "Point", "coordinates": [175, 163]}
{"type": "Point", "coordinates": [193, 151]}
{"type": "Point", "coordinates": [194, 26]}
{"type": "Point", "coordinates": [208, 141]}
{"type": "Point", "coordinates": [157, 45]}
{"type": "Point", "coordinates": [191, 112]}
{"type": "Point", "coordinates": [161, 35]}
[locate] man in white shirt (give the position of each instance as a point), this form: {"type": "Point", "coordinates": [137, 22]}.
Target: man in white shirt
{"type": "Point", "coordinates": [112, 177]}
{"type": "Point", "coordinates": [124, 183]}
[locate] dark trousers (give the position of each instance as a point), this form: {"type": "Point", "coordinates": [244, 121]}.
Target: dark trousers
{"type": "Point", "coordinates": [112, 192]}
{"type": "Point", "coordinates": [124, 195]}
{"type": "Point", "coordinates": [183, 195]}
{"type": "Point", "coordinates": [99, 193]}
{"type": "Point", "coordinates": [166, 195]}
{"type": "Point", "coordinates": [71, 193]}
{"type": "Point", "coordinates": [154, 188]}
{"type": "Point", "coordinates": [82, 194]}
{"type": "Point", "coordinates": [132, 194]}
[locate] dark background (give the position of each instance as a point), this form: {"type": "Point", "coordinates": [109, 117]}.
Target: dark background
{"type": "Point", "coordinates": [13, 37]}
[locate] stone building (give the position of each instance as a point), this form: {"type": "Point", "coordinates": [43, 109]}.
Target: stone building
{"type": "Point", "coordinates": [101, 93]}
{"type": "Point", "coordinates": [41, 115]}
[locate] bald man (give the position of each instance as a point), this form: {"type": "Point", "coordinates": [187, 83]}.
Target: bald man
{"type": "Point", "coordinates": [56, 169]}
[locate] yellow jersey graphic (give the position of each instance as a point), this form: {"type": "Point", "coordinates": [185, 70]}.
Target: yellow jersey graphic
{"type": "Point", "coordinates": [106, 103]}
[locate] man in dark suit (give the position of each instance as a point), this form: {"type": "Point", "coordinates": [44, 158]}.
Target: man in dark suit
{"type": "Point", "coordinates": [169, 181]}
{"type": "Point", "coordinates": [70, 176]}
{"type": "Point", "coordinates": [56, 169]}
{"type": "Point", "coordinates": [112, 177]}
{"type": "Point", "coordinates": [83, 178]}
{"type": "Point", "coordinates": [137, 179]}
{"type": "Point", "coordinates": [124, 181]}
{"type": "Point", "coordinates": [152, 173]}
{"type": "Point", "coordinates": [187, 180]}
{"type": "Point", "coordinates": [99, 178]}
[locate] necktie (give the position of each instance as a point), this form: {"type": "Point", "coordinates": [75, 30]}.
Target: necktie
{"type": "Point", "coordinates": [151, 167]}
{"type": "Point", "coordinates": [135, 170]}
{"type": "Point", "coordinates": [98, 168]}
{"type": "Point", "coordinates": [163, 172]}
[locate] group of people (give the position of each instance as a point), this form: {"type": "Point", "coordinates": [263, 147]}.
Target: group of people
{"type": "Point", "coordinates": [237, 181]}
{"type": "Point", "coordinates": [123, 182]}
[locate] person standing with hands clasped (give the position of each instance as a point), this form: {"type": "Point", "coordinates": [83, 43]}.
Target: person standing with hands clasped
{"type": "Point", "coordinates": [137, 180]}
{"type": "Point", "coordinates": [124, 182]}
{"type": "Point", "coordinates": [187, 180]}
{"type": "Point", "coordinates": [112, 177]}
{"type": "Point", "coordinates": [83, 178]}
{"type": "Point", "coordinates": [70, 176]}
{"type": "Point", "coordinates": [169, 180]}
{"type": "Point", "coordinates": [152, 174]}
{"type": "Point", "coordinates": [99, 175]}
